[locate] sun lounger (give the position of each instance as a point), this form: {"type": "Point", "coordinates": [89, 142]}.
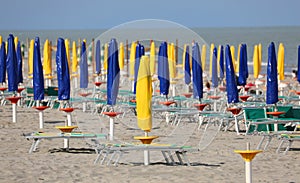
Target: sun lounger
{"type": "Point", "coordinates": [112, 153]}
{"type": "Point", "coordinates": [38, 136]}
{"type": "Point", "coordinates": [289, 139]}
{"type": "Point", "coordinates": [257, 122]}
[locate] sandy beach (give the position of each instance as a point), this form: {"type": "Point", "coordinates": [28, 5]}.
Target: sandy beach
{"type": "Point", "coordinates": [216, 163]}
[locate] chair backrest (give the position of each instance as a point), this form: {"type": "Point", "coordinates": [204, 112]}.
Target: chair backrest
{"type": "Point", "coordinates": [254, 113]}
{"type": "Point", "coordinates": [251, 114]}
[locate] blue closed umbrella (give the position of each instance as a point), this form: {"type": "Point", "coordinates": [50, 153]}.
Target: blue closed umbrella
{"type": "Point", "coordinates": [12, 65]}
{"type": "Point", "coordinates": [187, 66]}
{"type": "Point", "coordinates": [62, 68]}
{"type": "Point", "coordinates": [214, 77]}
{"type": "Point", "coordinates": [20, 63]}
{"type": "Point", "coordinates": [197, 72]}
{"type": "Point", "coordinates": [272, 81]}
{"type": "Point", "coordinates": [2, 63]}
{"type": "Point", "coordinates": [231, 85]}
{"type": "Point", "coordinates": [243, 70]}
{"type": "Point", "coordinates": [98, 57]}
{"type": "Point", "coordinates": [221, 62]}
{"type": "Point", "coordinates": [113, 73]}
{"type": "Point", "coordinates": [38, 76]}
{"type": "Point", "coordinates": [139, 52]}
{"type": "Point", "coordinates": [163, 69]}
{"type": "Point", "coordinates": [84, 77]}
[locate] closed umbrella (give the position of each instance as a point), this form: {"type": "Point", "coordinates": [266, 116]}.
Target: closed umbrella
{"type": "Point", "coordinates": [74, 64]}
{"type": "Point", "coordinates": [2, 63]}
{"type": "Point", "coordinates": [256, 64]}
{"type": "Point", "coordinates": [12, 74]}
{"type": "Point", "coordinates": [47, 65]}
{"type": "Point", "coordinates": [67, 44]}
{"type": "Point", "coordinates": [231, 85]}
{"type": "Point", "coordinates": [221, 62]}
{"type": "Point", "coordinates": [63, 78]}
{"type": "Point", "coordinates": [113, 79]}
{"type": "Point", "coordinates": [12, 65]}
{"type": "Point", "coordinates": [203, 57]}
{"type": "Point", "coordinates": [152, 58]}
{"type": "Point", "coordinates": [62, 68]}
{"type": "Point", "coordinates": [214, 77]}
{"type": "Point", "coordinates": [83, 67]}
{"type": "Point", "coordinates": [232, 50]}
{"type": "Point", "coordinates": [281, 62]}
{"type": "Point", "coordinates": [163, 70]}
{"type": "Point", "coordinates": [144, 95]}
{"type": "Point", "coordinates": [243, 67]}
{"type": "Point", "coordinates": [212, 46]}
{"type": "Point", "coordinates": [113, 73]}
{"type": "Point", "coordinates": [38, 76]}
{"type": "Point", "coordinates": [105, 57]}
{"type": "Point", "coordinates": [20, 63]}
{"type": "Point", "coordinates": [74, 58]}
{"type": "Point", "coordinates": [172, 66]}
{"type": "Point", "coordinates": [138, 54]}
{"type": "Point", "coordinates": [272, 80]}
{"type": "Point", "coordinates": [143, 100]}
{"type": "Point", "coordinates": [98, 58]}
{"type": "Point", "coordinates": [298, 72]}
{"type": "Point", "coordinates": [187, 66]}
{"type": "Point", "coordinates": [121, 56]}
{"type": "Point", "coordinates": [30, 59]}
{"type": "Point", "coordinates": [197, 72]}
{"type": "Point", "coordinates": [132, 58]}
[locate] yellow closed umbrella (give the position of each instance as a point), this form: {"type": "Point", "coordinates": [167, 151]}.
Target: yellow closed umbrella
{"type": "Point", "coordinates": [16, 42]}
{"type": "Point", "coordinates": [47, 66]}
{"type": "Point", "coordinates": [0, 40]}
{"type": "Point", "coordinates": [183, 56]}
{"type": "Point", "coordinates": [144, 95]}
{"type": "Point", "coordinates": [67, 44]}
{"type": "Point", "coordinates": [121, 56]}
{"type": "Point", "coordinates": [260, 54]}
{"type": "Point", "coordinates": [218, 58]}
{"type": "Point", "coordinates": [74, 58]}
{"type": "Point", "coordinates": [105, 57]}
{"type": "Point", "coordinates": [132, 58]}
{"type": "Point", "coordinates": [238, 59]}
{"type": "Point", "coordinates": [171, 57]}
{"type": "Point", "coordinates": [152, 58]}
{"type": "Point", "coordinates": [256, 64]}
{"type": "Point", "coordinates": [280, 66]}
{"type": "Point", "coordinates": [212, 46]}
{"type": "Point", "coordinates": [232, 49]}
{"type": "Point", "coordinates": [203, 56]}
{"type": "Point", "coordinates": [30, 59]}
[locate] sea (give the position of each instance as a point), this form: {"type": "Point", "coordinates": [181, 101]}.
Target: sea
{"type": "Point", "coordinates": [289, 36]}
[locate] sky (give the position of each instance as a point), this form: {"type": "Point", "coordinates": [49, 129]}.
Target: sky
{"type": "Point", "coordinates": [98, 14]}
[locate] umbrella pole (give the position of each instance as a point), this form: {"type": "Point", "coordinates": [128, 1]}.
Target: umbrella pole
{"type": "Point", "coordinates": [111, 128]}
{"type": "Point", "coordinates": [146, 153]}
{"type": "Point", "coordinates": [14, 108]}
{"type": "Point", "coordinates": [41, 117]}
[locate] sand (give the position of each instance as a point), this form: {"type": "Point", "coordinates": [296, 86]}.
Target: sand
{"type": "Point", "coordinates": [216, 163]}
